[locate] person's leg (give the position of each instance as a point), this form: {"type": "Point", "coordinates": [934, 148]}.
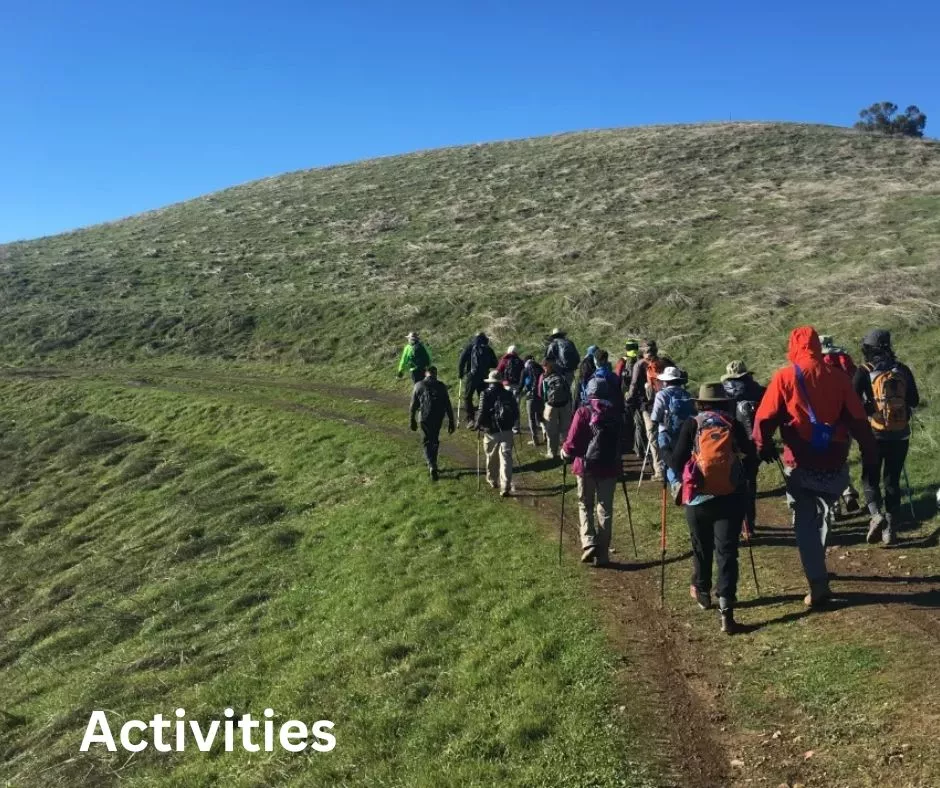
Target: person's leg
{"type": "Point", "coordinates": [491, 448]}
{"type": "Point", "coordinates": [417, 375]}
{"type": "Point", "coordinates": [517, 394]}
{"type": "Point", "coordinates": [702, 535]}
{"type": "Point", "coordinates": [807, 525]}
{"type": "Point", "coordinates": [505, 460]}
{"type": "Point", "coordinates": [469, 387]}
{"type": "Point", "coordinates": [532, 408]}
{"type": "Point", "coordinates": [895, 454]}
{"type": "Point", "coordinates": [651, 437]}
{"type": "Point", "coordinates": [426, 442]}
{"type": "Point", "coordinates": [551, 431]}
{"type": "Point", "coordinates": [586, 493]}
{"type": "Point", "coordinates": [665, 456]}
{"type": "Point", "coordinates": [872, 487]}
{"type": "Point", "coordinates": [750, 511]}
{"type": "Point", "coordinates": [564, 422]}
{"type": "Point", "coordinates": [727, 533]}
{"type": "Point", "coordinates": [628, 428]}
{"type": "Point", "coordinates": [605, 516]}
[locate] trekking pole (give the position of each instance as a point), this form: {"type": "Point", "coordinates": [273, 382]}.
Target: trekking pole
{"type": "Point", "coordinates": [561, 522]}
{"type": "Point", "coordinates": [910, 498]}
{"type": "Point", "coordinates": [649, 450]}
{"type": "Point", "coordinates": [479, 438]}
{"type": "Point", "coordinates": [459, 400]}
{"type": "Point", "coordinates": [750, 548]}
{"type": "Point", "coordinates": [626, 497]}
{"type": "Point", "coordinates": [662, 546]}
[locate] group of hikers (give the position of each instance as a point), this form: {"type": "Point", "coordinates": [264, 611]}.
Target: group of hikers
{"type": "Point", "coordinates": [704, 448]}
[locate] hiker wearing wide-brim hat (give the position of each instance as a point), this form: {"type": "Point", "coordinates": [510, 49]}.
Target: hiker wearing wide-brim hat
{"type": "Point", "coordinates": [707, 455]}
{"type": "Point", "coordinates": [415, 358]}
{"type": "Point", "coordinates": [498, 412]}
{"type": "Point", "coordinates": [671, 407]}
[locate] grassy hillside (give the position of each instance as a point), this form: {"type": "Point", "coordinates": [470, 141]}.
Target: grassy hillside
{"type": "Point", "coordinates": [711, 237]}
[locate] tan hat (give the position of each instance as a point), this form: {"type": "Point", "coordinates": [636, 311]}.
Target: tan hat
{"type": "Point", "coordinates": [712, 392]}
{"type": "Point", "coordinates": [735, 370]}
{"type": "Point", "coordinates": [493, 377]}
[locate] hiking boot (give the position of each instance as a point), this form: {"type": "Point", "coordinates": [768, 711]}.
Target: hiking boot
{"type": "Point", "coordinates": [676, 489]}
{"type": "Point", "coordinates": [588, 553]}
{"type": "Point", "coordinates": [470, 425]}
{"type": "Point", "coordinates": [494, 485]}
{"type": "Point", "coordinates": [818, 596]}
{"type": "Point", "coordinates": [852, 505]}
{"type": "Point", "coordinates": [435, 474]}
{"type": "Point", "coordinates": [887, 535]}
{"type": "Point", "coordinates": [657, 477]}
{"type": "Point", "coordinates": [504, 494]}
{"type": "Point", "coordinates": [728, 625]}
{"type": "Point", "coordinates": [875, 527]}
{"type": "Point", "coordinates": [702, 598]}
{"type": "Point", "coordinates": [600, 561]}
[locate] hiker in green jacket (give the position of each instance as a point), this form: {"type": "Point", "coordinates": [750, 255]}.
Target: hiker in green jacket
{"type": "Point", "coordinates": [415, 358]}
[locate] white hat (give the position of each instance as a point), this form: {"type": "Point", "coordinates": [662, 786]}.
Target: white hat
{"type": "Point", "coordinates": [493, 377]}
{"type": "Point", "coordinates": [670, 373]}
{"type": "Point", "coordinates": [512, 349]}
{"type": "Point", "coordinates": [412, 335]}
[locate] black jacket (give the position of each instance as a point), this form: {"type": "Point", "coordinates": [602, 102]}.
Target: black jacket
{"type": "Point", "coordinates": [486, 416]}
{"type": "Point", "coordinates": [747, 394]}
{"type": "Point", "coordinates": [430, 397]}
{"type": "Point", "coordinates": [477, 364]}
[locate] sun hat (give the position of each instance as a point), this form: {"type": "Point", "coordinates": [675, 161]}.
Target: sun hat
{"type": "Point", "coordinates": [412, 335]}
{"type": "Point", "coordinates": [493, 377]}
{"type": "Point", "coordinates": [712, 392]}
{"type": "Point", "coordinates": [735, 370]}
{"type": "Point", "coordinates": [670, 373]}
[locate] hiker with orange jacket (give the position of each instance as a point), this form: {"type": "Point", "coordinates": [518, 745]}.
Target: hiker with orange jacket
{"type": "Point", "coordinates": [889, 394]}
{"type": "Point", "coordinates": [707, 456]}
{"type": "Point", "coordinates": [816, 410]}
{"type": "Point", "coordinates": [644, 386]}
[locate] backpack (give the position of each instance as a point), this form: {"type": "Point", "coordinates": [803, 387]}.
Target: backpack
{"type": "Point", "coordinates": [512, 374]}
{"type": "Point", "coordinates": [744, 412]}
{"type": "Point", "coordinates": [557, 393]}
{"type": "Point", "coordinates": [653, 369]}
{"type": "Point", "coordinates": [717, 467]}
{"type": "Point", "coordinates": [889, 389]}
{"type": "Point", "coordinates": [532, 371]}
{"type": "Point", "coordinates": [432, 399]}
{"type": "Point", "coordinates": [604, 447]}
{"type": "Point", "coordinates": [477, 352]}
{"type": "Point", "coordinates": [567, 354]}
{"type": "Point", "coordinates": [420, 358]}
{"type": "Point", "coordinates": [503, 416]}
{"type": "Point", "coordinates": [679, 406]}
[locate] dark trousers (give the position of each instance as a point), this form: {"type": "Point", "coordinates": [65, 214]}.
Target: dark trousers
{"type": "Point", "coordinates": [639, 433]}
{"type": "Point", "coordinates": [891, 457]}
{"type": "Point", "coordinates": [629, 431]}
{"type": "Point", "coordinates": [471, 386]}
{"type": "Point", "coordinates": [431, 441]}
{"type": "Point", "coordinates": [417, 375]}
{"type": "Point", "coordinates": [534, 409]}
{"type": "Point", "coordinates": [750, 512]}
{"type": "Point", "coordinates": [715, 527]}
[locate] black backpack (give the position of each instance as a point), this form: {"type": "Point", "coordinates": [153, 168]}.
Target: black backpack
{"type": "Point", "coordinates": [568, 354]}
{"type": "Point", "coordinates": [420, 357]}
{"type": "Point", "coordinates": [604, 448]}
{"type": "Point", "coordinates": [433, 396]}
{"type": "Point", "coordinates": [512, 374]}
{"type": "Point", "coordinates": [557, 393]}
{"type": "Point", "coordinates": [477, 354]}
{"type": "Point", "coordinates": [504, 416]}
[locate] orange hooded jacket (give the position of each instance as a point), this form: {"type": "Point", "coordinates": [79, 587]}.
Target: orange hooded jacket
{"type": "Point", "coordinates": [833, 399]}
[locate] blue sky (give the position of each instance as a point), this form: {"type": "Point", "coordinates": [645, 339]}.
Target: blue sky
{"type": "Point", "coordinates": [110, 108]}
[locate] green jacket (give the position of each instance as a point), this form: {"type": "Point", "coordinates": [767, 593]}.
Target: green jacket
{"type": "Point", "coordinates": [408, 355]}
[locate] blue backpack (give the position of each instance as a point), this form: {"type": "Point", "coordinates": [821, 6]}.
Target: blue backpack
{"type": "Point", "coordinates": [679, 407]}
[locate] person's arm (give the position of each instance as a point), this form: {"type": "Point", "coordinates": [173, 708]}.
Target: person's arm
{"type": "Point", "coordinates": [638, 383]}
{"type": "Point", "coordinates": [745, 445]}
{"type": "Point", "coordinates": [857, 422]}
{"type": "Point", "coordinates": [658, 414]}
{"type": "Point", "coordinates": [578, 437]}
{"type": "Point", "coordinates": [464, 362]}
{"type": "Point", "coordinates": [501, 366]}
{"type": "Point", "coordinates": [861, 385]}
{"type": "Point", "coordinates": [415, 403]}
{"type": "Point", "coordinates": [913, 395]}
{"type": "Point", "coordinates": [405, 361]}
{"type": "Point", "coordinates": [682, 450]}
{"type": "Point", "coordinates": [770, 414]}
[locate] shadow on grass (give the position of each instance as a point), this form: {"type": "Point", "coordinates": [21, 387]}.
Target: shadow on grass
{"type": "Point", "coordinates": [638, 565]}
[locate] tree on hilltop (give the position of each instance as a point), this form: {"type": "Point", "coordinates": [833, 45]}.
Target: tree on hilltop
{"type": "Point", "coordinates": [882, 118]}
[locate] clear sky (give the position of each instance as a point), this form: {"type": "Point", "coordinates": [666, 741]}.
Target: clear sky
{"type": "Point", "coordinates": [111, 107]}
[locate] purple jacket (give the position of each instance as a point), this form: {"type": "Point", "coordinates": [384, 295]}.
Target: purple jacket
{"type": "Point", "coordinates": [579, 436]}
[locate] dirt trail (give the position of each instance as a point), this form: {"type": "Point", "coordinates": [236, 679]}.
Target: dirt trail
{"type": "Point", "coordinates": [671, 669]}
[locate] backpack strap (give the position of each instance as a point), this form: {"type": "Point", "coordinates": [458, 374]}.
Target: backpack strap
{"type": "Point", "coordinates": [801, 383]}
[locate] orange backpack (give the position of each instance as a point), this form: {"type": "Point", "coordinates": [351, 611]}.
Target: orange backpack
{"type": "Point", "coordinates": [889, 390]}
{"type": "Point", "coordinates": [719, 469]}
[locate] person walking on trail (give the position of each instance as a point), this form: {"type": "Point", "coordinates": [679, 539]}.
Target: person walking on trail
{"type": "Point", "coordinates": [816, 410]}
{"type": "Point", "coordinates": [498, 412]}
{"type": "Point", "coordinates": [713, 453]}
{"type": "Point", "coordinates": [511, 369]}
{"type": "Point", "coordinates": [889, 393]}
{"type": "Point", "coordinates": [603, 370]}
{"type": "Point", "coordinates": [746, 394]}
{"type": "Point", "coordinates": [556, 415]}
{"type": "Point", "coordinates": [672, 407]}
{"type": "Point", "coordinates": [624, 369]}
{"type": "Point", "coordinates": [532, 373]}
{"type": "Point", "coordinates": [586, 370]}
{"type": "Point", "coordinates": [475, 363]}
{"type": "Point", "coordinates": [415, 358]}
{"type": "Point", "coordinates": [593, 442]}
{"type": "Point", "coordinates": [563, 353]}
{"type": "Point", "coordinates": [644, 386]}
{"type": "Point", "coordinates": [837, 357]}
{"type": "Point", "coordinates": [431, 400]}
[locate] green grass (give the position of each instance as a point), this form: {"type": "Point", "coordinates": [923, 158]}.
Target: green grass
{"type": "Point", "coordinates": [200, 553]}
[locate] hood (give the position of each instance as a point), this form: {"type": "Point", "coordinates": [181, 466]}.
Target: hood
{"type": "Point", "coordinates": [481, 339]}
{"type": "Point", "coordinates": [805, 348]}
